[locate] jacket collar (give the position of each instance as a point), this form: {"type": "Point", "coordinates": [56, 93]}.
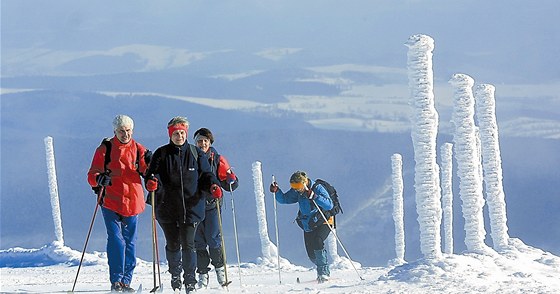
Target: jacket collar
{"type": "Point", "coordinates": [183, 148]}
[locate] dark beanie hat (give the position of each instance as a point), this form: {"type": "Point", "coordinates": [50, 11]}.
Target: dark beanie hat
{"type": "Point", "coordinates": [205, 133]}
{"type": "Point", "coordinates": [298, 177]}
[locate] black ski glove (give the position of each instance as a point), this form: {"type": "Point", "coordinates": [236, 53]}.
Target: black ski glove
{"type": "Point", "coordinates": [311, 195]}
{"type": "Point", "coordinates": [103, 180]}
{"type": "Point", "coordinates": [274, 187]}
{"type": "Point", "coordinates": [148, 156]}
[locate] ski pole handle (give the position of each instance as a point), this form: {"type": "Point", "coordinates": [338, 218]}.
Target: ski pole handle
{"type": "Point", "coordinates": [273, 186]}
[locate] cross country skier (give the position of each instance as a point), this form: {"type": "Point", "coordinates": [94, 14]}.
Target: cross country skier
{"type": "Point", "coordinates": [315, 230]}
{"type": "Point", "coordinates": [208, 231]}
{"type": "Point", "coordinates": [182, 179]}
{"type": "Point", "coordinates": [116, 168]}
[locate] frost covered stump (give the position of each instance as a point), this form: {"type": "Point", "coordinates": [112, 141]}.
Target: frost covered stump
{"type": "Point", "coordinates": [398, 208]}
{"type": "Point", "coordinates": [492, 165]}
{"type": "Point", "coordinates": [270, 254]}
{"type": "Point", "coordinates": [53, 189]}
{"type": "Point", "coordinates": [424, 120]}
{"type": "Point", "coordinates": [447, 195]}
{"type": "Point", "coordinates": [466, 153]}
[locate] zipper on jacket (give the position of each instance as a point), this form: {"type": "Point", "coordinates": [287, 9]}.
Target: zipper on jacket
{"type": "Point", "coordinates": [182, 188]}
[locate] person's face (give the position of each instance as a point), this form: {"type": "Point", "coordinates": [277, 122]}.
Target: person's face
{"type": "Point", "coordinates": [124, 134]}
{"type": "Point", "coordinates": [203, 143]}
{"type": "Point", "coordinates": [301, 187]}
{"type": "Point", "coordinates": [179, 137]}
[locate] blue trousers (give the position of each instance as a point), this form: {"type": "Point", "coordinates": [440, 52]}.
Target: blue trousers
{"type": "Point", "coordinates": [208, 235]}
{"type": "Point", "coordinates": [121, 245]}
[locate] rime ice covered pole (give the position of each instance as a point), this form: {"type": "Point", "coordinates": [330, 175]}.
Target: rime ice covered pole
{"type": "Point", "coordinates": [466, 153]}
{"type": "Point", "coordinates": [53, 189]}
{"type": "Point", "coordinates": [424, 132]}
{"type": "Point", "coordinates": [492, 164]}
{"type": "Point", "coordinates": [268, 249]}
{"type": "Point", "coordinates": [447, 195]}
{"type": "Point", "coordinates": [398, 206]}
{"type": "Point", "coordinates": [332, 248]}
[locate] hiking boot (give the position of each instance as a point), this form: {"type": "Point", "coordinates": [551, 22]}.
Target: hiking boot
{"type": "Point", "coordinates": [221, 276]}
{"type": "Point", "coordinates": [190, 288]}
{"type": "Point", "coordinates": [322, 278]}
{"type": "Point", "coordinates": [202, 280]}
{"type": "Point", "coordinates": [127, 289]}
{"type": "Point", "coordinates": [116, 287]}
{"type": "Point", "coordinates": [176, 282]}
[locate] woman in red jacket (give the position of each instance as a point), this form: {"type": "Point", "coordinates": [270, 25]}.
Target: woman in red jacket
{"type": "Point", "coordinates": [115, 170]}
{"type": "Point", "coordinates": [208, 239]}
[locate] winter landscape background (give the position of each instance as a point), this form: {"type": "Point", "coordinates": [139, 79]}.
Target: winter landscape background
{"type": "Point", "coordinates": [318, 86]}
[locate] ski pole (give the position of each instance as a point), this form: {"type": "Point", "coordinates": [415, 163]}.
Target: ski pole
{"type": "Point", "coordinates": [223, 242]}
{"type": "Point", "coordinates": [99, 198]}
{"type": "Point", "coordinates": [235, 232]}
{"type": "Point", "coordinates": [336, 236]}
{"type": "Point", "coordinates": [155, 254]}
{"type": "Point", "coordinates": [277, 238]}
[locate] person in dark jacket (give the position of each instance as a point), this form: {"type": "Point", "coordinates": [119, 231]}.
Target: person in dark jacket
{"type": "Point", "coordinates": [119, 181]}
{"type": "Point", "coordinates": [208, 240]}
{"type": "Point", "coordinates": [309, 196]}
{"type": "Point", "coordinates": [173, 174]}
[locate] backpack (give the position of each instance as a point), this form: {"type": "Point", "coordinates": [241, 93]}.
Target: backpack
{"type": "Point", "coordinates": [336, 209]}
{"type": "Point", "coordinates": [334, 197]}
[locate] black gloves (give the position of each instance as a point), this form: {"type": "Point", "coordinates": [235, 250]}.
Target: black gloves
{"type": "Point", "coordinates": [274, 187]}
{"type": "Point", "coordinates": [103, 180]}
{"type": "Point", "coordinates": [148, 156]}
{"type": "Point", "coordinates": [310, 194]}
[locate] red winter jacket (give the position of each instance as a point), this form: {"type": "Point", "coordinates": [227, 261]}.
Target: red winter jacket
{"type": "Point", "coordinates": [125, 195]}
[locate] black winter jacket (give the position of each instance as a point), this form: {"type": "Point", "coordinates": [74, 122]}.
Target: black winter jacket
{"type": "Point", "coordinates": [178, 196]}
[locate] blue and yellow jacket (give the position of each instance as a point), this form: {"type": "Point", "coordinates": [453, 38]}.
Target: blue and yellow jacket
{"type": "Point", "coordinates": [308, 211]}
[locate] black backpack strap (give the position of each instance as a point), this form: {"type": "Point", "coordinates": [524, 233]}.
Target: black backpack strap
{"type": "Point", "coordinates": [107, 143]}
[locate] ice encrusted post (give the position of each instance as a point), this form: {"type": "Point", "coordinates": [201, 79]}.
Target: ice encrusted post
{"type": "Point", "coordinates": [269, 250]}
{"type": "Point", "coordinates": [424, 132]}
{"type": "Point", "coordinates": [398, 206]}
{"type": "Point", "coordinates": [53, 190]}
{"type": "Point", "coordinates": [467, 155]}
{"type": "Point", "coordinates": [447, 195]}
{"type": "Point", "coordinates": [492, 164]}
{"type": "Point", "coordinates": [332, 248]}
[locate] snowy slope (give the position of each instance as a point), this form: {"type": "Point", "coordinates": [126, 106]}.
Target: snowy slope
{"type": "Point", "coordinates": [521, 270]}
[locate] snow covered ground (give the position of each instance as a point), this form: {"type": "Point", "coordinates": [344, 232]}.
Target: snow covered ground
{"type": "Point", "coordinates": [521, 269]}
